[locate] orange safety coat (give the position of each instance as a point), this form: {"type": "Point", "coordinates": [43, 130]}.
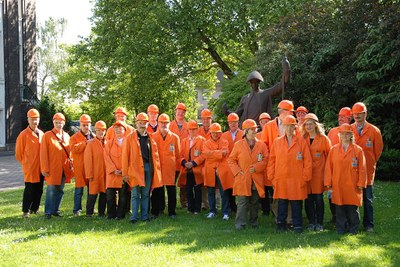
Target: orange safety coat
{"type": "Point", "coordinates": [319, 152]}
{"type": "Point", "coordinates": [192, 154]}
{"type": "Point", "coordinates": [132, 162]}
{"type": "Point", "coordinates": [372, 144]}
{"type": "Point", "coordinates": [344, 172]}
{"type": "Point", "coordinates": [202, 132]}
{"type": "Point", "coordinates": [216, 161]}
{"type": "Point", "coordinates": [169, 151]}
{"type": "Point", "coordinates": [182, 134]}
{"type": "Point", "coordinates": [113, 161]}
{"type": "Point", "coordinates": [241, 159]}
{"type": "Point", "coordinates": [27, 152]}
{"type": "Point", "coordinates": [290, 168]}
{"type": "Point", "coordinates": [111, 133]}
{"type": "Point", "coordinates": [333, 135]}
{"type": "Point", "coordinates": [227, 136]}
{"type": "Point", "coordinates": [270, 132]}
{"type": "Point", "coordinates": [149, 129]}
{"type": "Point", "coordinates": [78, 145]}
{"type": "Point", "coordinates": [54, 159]}
{"type": "Point", "coordinates": [95, 167]}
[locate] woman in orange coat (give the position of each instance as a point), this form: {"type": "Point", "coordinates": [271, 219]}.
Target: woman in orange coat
{"type": "Point", "coordinates": [192, 167]}
{"type": "Point", "coordinates": [95, 170]}
{"type": "Point", "coordinates": [247, 161]}
{"type": "Point", "coordinates": [313, 133]}
{"type": "Point", "coordinates": [55, 165]}
{"type": "Point", "coordinates": [27, 152]}
{"type": "Point", "coordinates": [289, 169]}
{"type": "Point", "coordinates": [169, 147]}
{"type": "Point", "coordinates": [215, 151]}
{"type": "Point", "coordinates": [115, 188]}
{"type": "Point", "coordinates": [345, 174]}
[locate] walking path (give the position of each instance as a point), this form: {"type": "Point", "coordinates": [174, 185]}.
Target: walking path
{"type": "Point", "coordinates": [11, 176]}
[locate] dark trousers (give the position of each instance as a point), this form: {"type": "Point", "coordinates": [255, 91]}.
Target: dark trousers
{"type": "Point", "coordinates": [101, 205]}
{"type": "Point", "coordinates": [32, 195]}
{"type": "Point", "coordinates": [314, 206]}
{"type": "Point", "coordinates": [368, 201]}
{"type": "Point", "coordinates": [267, 201]}
{"type": "Point", "coordinates": [193, 193]}
{"type": "Point", "coordinates": [347, 219]}
{"type": "Point", "coordinates": [157, 200]}
{"type": "Point", "coordinates": [115, 210]}
{"type": "Point", "coordinates": [296, 206]}
{"type": "Point", "coordinates": [231, 199]}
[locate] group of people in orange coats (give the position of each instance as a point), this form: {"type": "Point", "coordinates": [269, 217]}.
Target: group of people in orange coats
{"type": "Point", "coordinates": [287, 162]}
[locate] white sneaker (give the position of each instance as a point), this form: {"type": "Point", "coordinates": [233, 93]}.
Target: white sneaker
{"type": "Point", "coordinates": [211, 215]}
{"type": "Point", "coordinates": [226, 217]}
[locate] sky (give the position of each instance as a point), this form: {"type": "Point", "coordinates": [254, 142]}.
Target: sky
{"type": "Point", "coordinates": [76, 12]}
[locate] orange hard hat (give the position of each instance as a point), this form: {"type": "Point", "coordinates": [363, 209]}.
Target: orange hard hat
{"type": "Point", "coordinates": [101, 125]}
{"type": "Point", "coordinates": [152, 108]}
{"type": "Point", "coordinates": [311, 116]}
{"type": "Point", "coordinates": [233, 117]}
{"type": "Point", "coordinates": [142, 117]}
{"type": "Point", "coordinates": [359, 107]}
{"type": "Point", "coordinates": [346, 111]}
{"type": "Point", "coordinates": [302, 108]}
{"type": "Point", "coordinates": [206, 113]}
{"type": "Point", "coordinates": [33, 113]}
{"type": "Point", "coordinates": [345, 128]}
{"type": "Point", "coordinates": [289, 120]}
{"type": "Point", "coordinates": [120, 110]}
{"type": "Point", "coordinates": [264, 116]}
{"type": "Point", "coordinates": [286, 105]}
{"type": "Point", "coordinates": [249, 123]}
{"type": "Point", "coordinates": [163, 118]}
{"type": "Point", "coordinates": [120, 123]}
{"type": "Point", "coordinates": [181, 106]}
{"type": "Point", "coordinates": [85, 118]}
{"type": "Point", "coordinates": [59, 116]}
{"type": "Point", "coordinates": [215, 128]}
{"type": "Point", "coordinates": [192, 125]}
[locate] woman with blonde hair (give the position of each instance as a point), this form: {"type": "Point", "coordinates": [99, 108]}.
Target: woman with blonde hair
{"type": "Point", "coordinates": [319, 144]}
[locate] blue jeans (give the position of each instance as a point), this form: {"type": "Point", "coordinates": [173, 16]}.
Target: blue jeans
{"type": "Point", "coordinates": [54, 194]}
{"type": "Point", "coordinates": [78, 193]}
{"type": "Point", "coordinates": [296, 206]}
{"type": "Point", "coordinates": [314, 206]}
{"type": "Point", "coordinates": [140, 196]}
{"type": "Point", "coordinates": [368, 201]}
{"type": "Point", "coordinates": [224, 197]}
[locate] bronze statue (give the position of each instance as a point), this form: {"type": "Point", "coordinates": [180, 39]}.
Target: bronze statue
{"type": "Point", "coordinates": [259, 100]}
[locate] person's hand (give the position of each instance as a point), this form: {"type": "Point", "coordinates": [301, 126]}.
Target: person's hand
{"type": "Point", "coordinates": [188, 165]}
{"type": "Point", "coordinates": [90, 179]}
{"type": "Point", "coordinates": [118, 172]}
{"type": "Point", "coordinates": [252, 169]}
{"type": "Point", "coordinates": [125, 178]}
{"type": "Point", "coordinates": [360, 187]}
{"type": "Point", "coordinates": [45, 174]}
{"type": "Point", "coordinates": [224, 152]}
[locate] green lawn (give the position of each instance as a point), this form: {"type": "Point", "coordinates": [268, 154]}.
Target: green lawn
{"type": "Point", "coordinates": [191, 240]}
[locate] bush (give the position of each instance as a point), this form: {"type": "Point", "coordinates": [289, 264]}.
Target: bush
{"type": "Point", "coordinates": [388, 165]}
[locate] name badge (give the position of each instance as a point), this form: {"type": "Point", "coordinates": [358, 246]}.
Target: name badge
{"type": "Point", "coordinates": [369, 143]}
{"type": "Point", "coordinates": [354, 162]}
{"type": "Point", "coordinates": [259, 157]}
{"type": "Point", "coordinates": [318, 155]}
{"type": "Point", "coordinates": [196, 153]}
{"type": "Point", "coordinates": [299, 156]}
{"type": "Point", "coordinates": [171, 147]}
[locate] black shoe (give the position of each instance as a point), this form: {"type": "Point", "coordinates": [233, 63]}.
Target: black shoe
{"type": "Point", "coordinates": [172, 216]}
{"type": "Point", "coordinates": [57, 214]}
{"type": "Point", "coordinates": [298, 230]}
{"type": "Point", "coordinates": [133, 221]}
{"type": "Point", "coordinates": [47, 216]}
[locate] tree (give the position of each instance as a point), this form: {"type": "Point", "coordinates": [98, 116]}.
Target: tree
{"type": "Point", "coordinates": [50, 55]}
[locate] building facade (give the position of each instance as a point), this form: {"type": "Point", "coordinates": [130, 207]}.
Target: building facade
{"type": "Point", "coordinates": [18, 68]}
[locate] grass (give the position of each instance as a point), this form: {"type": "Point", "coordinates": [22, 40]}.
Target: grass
{"type": "Point", "coordinates": [191, 240]}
